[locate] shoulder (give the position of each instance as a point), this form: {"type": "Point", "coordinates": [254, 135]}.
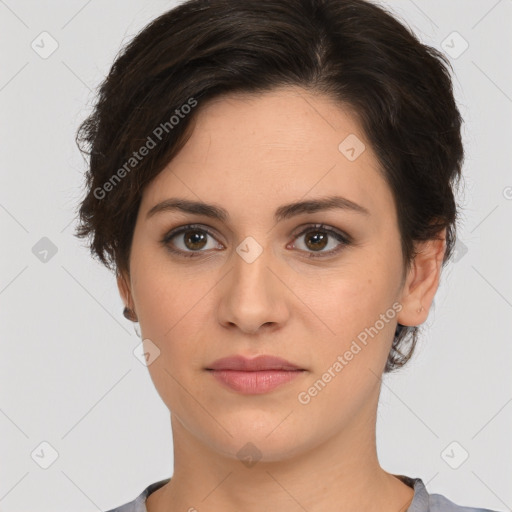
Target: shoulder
{"type": "Point", "coordinates": [439, 503]}
{"type": "Point", "coordinates": [139, 503]}
{"type": "Point", "coordinates": [425, 502]}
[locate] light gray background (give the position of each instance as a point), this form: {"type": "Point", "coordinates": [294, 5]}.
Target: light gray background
{"type": "Point", "coordinates": [68, 375]}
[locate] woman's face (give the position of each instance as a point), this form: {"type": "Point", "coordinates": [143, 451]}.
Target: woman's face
{"type": "Point", "coordinates": [264, 280]}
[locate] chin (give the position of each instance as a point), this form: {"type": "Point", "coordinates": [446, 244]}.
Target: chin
{"type": "Point", "coordinates": [261, 441]}
{"type": "Point", "coordinates": [249, 450]}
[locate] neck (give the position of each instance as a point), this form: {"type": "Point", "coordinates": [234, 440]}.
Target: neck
{"type": "Point", "coordinates": [343, 470]}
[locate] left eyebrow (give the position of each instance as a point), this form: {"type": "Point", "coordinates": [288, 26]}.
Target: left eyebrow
{"type": "Point", "coordinates": [283, 212]}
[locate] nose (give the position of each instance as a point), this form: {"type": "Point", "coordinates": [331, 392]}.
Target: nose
{"type": "Point", "coordinates": [252, 296]}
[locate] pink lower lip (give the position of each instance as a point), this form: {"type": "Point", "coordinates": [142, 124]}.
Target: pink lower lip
{"type": "Point", "coordinates": [253, 383]}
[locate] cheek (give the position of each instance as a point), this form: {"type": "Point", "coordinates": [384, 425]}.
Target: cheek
{"type": "Point", "coordinates": [358, 309]}
{"type": "Point", "coordinates": [350, 299]}
{"type": "Point", "coordinates": [348, 362]}
{"type": "Point", "coordinates": [172, 307]}
{"type": "Point", "coordinates": [164, 295]}
{"type": "Point", "coordinates": [168, 307]}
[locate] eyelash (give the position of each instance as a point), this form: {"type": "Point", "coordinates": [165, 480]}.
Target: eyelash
{"type": "Point", "coordinates": [344, 239]}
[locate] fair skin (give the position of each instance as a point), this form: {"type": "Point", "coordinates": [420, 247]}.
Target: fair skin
{"type": "Point", "coordinates": [251, 154]}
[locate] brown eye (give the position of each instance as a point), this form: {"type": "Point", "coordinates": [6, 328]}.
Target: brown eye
{"type": "Point", "coordinates": [194, 239]}
{"type": "Point", "coordinates": [189, 241]}
{"type": "Point", "coordinates": [318, 237]}
{"type": "Point", "coordinates": [317, 241]}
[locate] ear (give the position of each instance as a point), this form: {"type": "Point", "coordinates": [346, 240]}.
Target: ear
{"type": "Point", "coordinates": [422, 281]}
{"type": "Point", "coordinates": [123, 285]}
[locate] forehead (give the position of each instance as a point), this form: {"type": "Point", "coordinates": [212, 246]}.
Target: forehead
{"type": "Point", "coordinates": [250, 151]}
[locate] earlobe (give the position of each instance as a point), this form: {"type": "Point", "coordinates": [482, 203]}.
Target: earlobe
{"type": "Point", "coordinates": [422, 281]}
{"type": "Point", "coordinates": [124, 289]}
{"type": "Point", "coordinates": [125, 292]}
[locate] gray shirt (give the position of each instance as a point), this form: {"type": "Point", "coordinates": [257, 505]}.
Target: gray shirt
{"type": "Point", "coordinates": [422, 500]}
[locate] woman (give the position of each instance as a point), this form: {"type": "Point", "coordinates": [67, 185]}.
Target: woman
{"type": "Point", "coordinates": [272, 183]}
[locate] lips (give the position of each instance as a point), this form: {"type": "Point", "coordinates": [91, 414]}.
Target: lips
{"type": "Point", "coordinates": [254, 376]}
{"type": "Point", "coordinates": [260, 363]}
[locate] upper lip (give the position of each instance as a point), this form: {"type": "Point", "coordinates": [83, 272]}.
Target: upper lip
{"type": "Point", "coordinates": [259, 363]}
